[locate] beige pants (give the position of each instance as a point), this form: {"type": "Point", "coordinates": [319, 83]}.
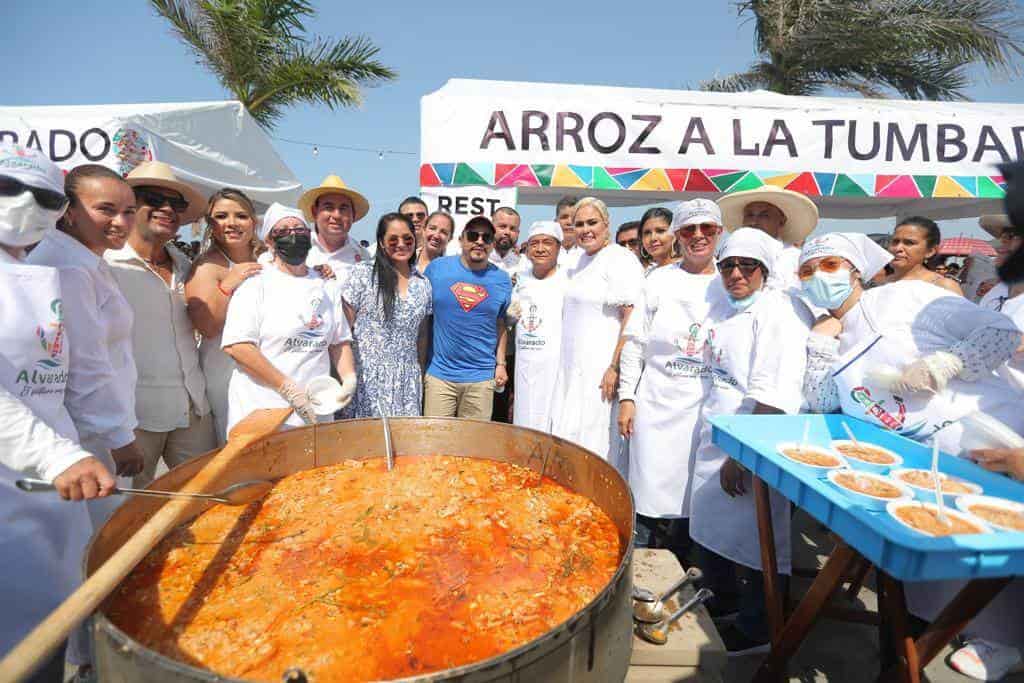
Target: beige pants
{"type": "Point", "coordinates": [174, 447]}
{"type": "Point", "coordinates": [473, 400]}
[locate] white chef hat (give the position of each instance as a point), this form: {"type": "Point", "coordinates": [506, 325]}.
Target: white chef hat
{"type": "Point", "coordinates": [31, 167]}
{"type": "Point", "coordinates": [752, 243]}
{"type": "Point", "coordinates": [695, 212]}
{"type": "Point", "coordinates": [275, 213]}
{"type": "Point", "coordinates": [859, 249]}
{"type": "Point", "coordinates": [549, 228]}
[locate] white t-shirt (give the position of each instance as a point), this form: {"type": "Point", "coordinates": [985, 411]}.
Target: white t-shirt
{"type": "Point", "coordinates": [292, 321]}
{"type": "Point", "coordinates": [341, 260]}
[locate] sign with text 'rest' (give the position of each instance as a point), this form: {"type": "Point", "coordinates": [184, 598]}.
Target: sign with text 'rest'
{"type": "Point", "coordinates": [466, 202]}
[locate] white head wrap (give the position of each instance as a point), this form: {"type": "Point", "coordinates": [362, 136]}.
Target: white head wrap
{"type": "Point", "coordinates": [695, 212]}
{"type": "Point", "coordinates": [859, 249]}
{"type": "Point", "coordinates": [31, 167]}
{"type": "Point", "coordinates": [752, 243]}
{"type": "Point", "coordinates": [275, 213]}
{"type": "Point", "coordinates": [549, 228]}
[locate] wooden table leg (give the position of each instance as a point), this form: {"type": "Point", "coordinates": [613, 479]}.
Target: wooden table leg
{"type": "Point", "coordinates": [896, 643]}
{"type": "Point", "coordinates": [769, 563]}
{"type": "Point", "coordinates": [967, 604]}
{"type": "Point", "coordinates": [830, 578]}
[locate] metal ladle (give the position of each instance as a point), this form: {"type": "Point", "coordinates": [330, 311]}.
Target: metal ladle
{"type": "Point", "coordinates": [652, 611]}
{"type": "Point", "coordinates": [658, 633]}
{"type": "Point", "coordinates": [242, 493]}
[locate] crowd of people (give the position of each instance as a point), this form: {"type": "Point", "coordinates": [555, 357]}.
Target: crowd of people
{"type": "Point", "coordinates": [121, 352]}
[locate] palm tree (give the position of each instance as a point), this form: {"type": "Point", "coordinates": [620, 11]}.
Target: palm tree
{"type": "Point", "coordinates": [922, 49]}
{"type": "Point", "coordinates": [258, 50]}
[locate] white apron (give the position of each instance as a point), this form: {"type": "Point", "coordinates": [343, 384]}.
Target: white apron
{"type": "Point", "coordinates": [757, 355]}
{"type": "Point", "coordinates": [42, 537]}
{"type": "Point", "coordinates": [599, 286]}
{"type": "Point", "coordinates": [870, 340]}
{"type": "Point", "coordinates": [672, 389]}
{"type": "Point", "coordinates": [538, 341]}
{"type": "Point", "coordinates": [293, 321]}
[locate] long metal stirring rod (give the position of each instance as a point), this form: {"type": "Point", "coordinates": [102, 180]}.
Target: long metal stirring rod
{"type": "Point", "coordinates": [389, 449]}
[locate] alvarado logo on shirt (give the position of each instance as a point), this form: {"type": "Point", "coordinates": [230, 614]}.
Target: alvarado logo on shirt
{"type": "Point", "coordinates": [48, 375]}
{"type": "Point", "coordinates": [312, 337]}
{"type": "Point", "coordinates": [469, 295]}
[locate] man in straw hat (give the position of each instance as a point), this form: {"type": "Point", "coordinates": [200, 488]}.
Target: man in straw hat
{"type": "Point", "coordinates": [786, 215]}
{"type": "Point", "coordinates": [174, 416]}
{"type": "Point", "coordinates": [333, 207]}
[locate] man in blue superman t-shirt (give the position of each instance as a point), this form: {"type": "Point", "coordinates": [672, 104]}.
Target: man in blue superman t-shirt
{"type": "Point", "coordinates": [470, 296]}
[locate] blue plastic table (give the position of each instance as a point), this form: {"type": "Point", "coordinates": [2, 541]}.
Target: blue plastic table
{"type": "Point", "coordinates": [986, 561]}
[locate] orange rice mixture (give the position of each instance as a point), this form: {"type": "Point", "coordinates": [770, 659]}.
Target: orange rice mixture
{"type": "Point", "coordinates": [810, 457]}
{"type": "Point", "coordinates": [865, 453]}
{"type": "Point", "coordinates": [352, 573]}
{"type": "Point", "coordinates": [927, 521]}
{"type": "Point", "coordinates": [923, 479]}
{"type": "Point", "coordinates": [999, 515]}
{"type": "Point", "coordinates": [867, 485]}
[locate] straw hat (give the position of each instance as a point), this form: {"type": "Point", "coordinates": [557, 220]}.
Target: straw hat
{"type": "Point", "coordinates": [995, 223]}
{"type": "Point", "coordinates": [801, 213]}
{"type": "Point", "coordinates": [332, 184]}
{"type": "Point", "coordinates": [160, 174]}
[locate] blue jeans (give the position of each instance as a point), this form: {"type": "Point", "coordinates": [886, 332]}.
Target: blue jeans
{"type": "Point", "coordinates": [668, 534]}
{"type": "Point", "coordinates": [745, 585]}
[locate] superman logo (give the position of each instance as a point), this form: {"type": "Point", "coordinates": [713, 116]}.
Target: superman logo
{"type": "Point", "coordinates": [468, 295]}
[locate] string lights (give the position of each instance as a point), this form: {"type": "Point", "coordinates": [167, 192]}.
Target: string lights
{"type": "Point", "coordinates": [348, 148]}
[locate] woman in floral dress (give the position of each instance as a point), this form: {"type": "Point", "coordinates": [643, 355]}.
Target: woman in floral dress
{"type": "Point", "coordinates": [387, 301]}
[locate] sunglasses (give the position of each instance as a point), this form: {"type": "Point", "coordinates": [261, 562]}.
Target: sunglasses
{"type": "Point", "coordinates": [630, 244]}
{"type": "Point", "coordinates": [285, 232]}
{"type": "Point", "coordinates": [157, 200]}
{"type": "Point", "coordinates": [706, 229]}
{"type": "Point", "coordinates": [747, 266]}
{"type": "Point", "coordinates": [395, 240]}
{"type": "Point", "coordinates": [415, 214]}
{"type": "Point", "coordinates": [829, 264]}
{"type": "Point", "coordinates": [48, 199]}
{"type": "Point", "coordinates": [478, 235]}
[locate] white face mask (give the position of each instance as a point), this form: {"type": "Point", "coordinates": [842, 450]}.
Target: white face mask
{"type": "Point", "coordinates": [23, 222]}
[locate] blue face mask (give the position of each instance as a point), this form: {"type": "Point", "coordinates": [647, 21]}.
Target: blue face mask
{"type": "Point", "coordinates": [828, 290]}
{"type": "Point", "coordinates": [744, 304]}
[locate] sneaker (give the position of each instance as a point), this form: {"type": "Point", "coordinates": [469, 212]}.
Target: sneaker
{"type": "Point", "coordinates": [984, 660]}
{"type": "Point", "coordinates": [737, 644]}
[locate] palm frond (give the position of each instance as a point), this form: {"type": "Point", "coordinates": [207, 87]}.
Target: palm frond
{"type": "Point", "coordinates": [740, 82]}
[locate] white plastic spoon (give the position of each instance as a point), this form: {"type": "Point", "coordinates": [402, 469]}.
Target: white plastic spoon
{"type": "Point", "coordinates": [938, 484]}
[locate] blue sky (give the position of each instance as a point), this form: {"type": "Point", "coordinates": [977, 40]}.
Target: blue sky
{"type": "Point", "coordinates": [119, 51]}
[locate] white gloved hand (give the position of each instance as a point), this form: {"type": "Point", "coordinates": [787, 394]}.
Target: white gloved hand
{"type": "Point", "coordinates": [298, 399]}
{"type": "Point", "coordinates": [513, 312]}
{"type": "Point", "coordinates": [930, 373]}
{"type": "Point", "coordinates": [348, 390]}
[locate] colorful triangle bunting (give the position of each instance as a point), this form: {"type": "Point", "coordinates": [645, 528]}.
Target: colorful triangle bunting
{"type": "Point", "coordinates": [989, 190]}
{"type": "Point", "coordinates": [520, 176]}
{"type": "Point", "coordinates": [925, 184]}
{"type": "Point", "coordinates": [749, 181]}
{"type": "Point", "coordinates": [698, 182]}
{"type": "Point", "coordinates": [969, 183]}
{"type": "Point", "coordinates": [427, 176]}
{"type": "Point", "coordinates": [627, 179]}
{"type": "Point", "coordinates": [564, 177]}
{"type": "Point", "coordinates": [445, 172]}
{"type": "Point", "coordinates": [654, 180]}
{"type": "Point", "coordinates": [502, 170]}
{"type": "Point", "coordinates": [903, 186]}
{"type": "Point", "coordinates": [677, 176]}
{"type": "Point", "coordinates": [846, 187]}
{"type": "Point", "coordinates": [825, 182]}
{"type": "Point", "coordinates": [603, 181]}
{"type": "Point", "coordinates": [806, 184]}
{"type": "Point", "coordinates": [465, 175]}
{"type": "Point", "coordinates": [543, 173]}
{"type": "Point", "coordinates": [947, 187]}
{"type": "Point", "coordinates": [724, 182]}
{"type": "Point", "coordinates": [585, 173]}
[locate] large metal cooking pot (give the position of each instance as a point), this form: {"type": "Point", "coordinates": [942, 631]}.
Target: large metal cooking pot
{"type": "Point", "coordinates": [593, 645]}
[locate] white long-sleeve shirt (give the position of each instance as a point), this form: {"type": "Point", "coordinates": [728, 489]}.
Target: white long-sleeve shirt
{"type": "Point", "coordinates": [100, 394]}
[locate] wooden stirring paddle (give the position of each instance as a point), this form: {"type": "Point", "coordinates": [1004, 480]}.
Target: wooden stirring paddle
{"type": "Point", "coordinates": [27, 655]}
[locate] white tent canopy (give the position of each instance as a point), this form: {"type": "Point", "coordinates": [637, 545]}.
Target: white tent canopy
{"type": "Point", "coordinates": [209, 144]}
{"type": "Point", "coordinates": [855, 158]}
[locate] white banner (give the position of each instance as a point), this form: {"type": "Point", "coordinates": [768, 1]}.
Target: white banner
{"type": "Point", "coordinates": [543, 123]}
{"type": "Point", "coordinates": [209, 144]}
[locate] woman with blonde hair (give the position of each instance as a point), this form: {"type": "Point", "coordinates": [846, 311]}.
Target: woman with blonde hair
{"type": "Point", "coordinates": [228, 258]}
{"type": "Point", "coordinates": [604, 284]}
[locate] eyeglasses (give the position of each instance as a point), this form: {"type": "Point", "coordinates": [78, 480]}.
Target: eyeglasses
{"type": "Point", "coordinates": [747, 266]}
{"type": "Point", "coordinates": [157, 200]}
{"type": "Point", "coordinates": [630, 244]}
{"type": "Point", "coordinates": [48, 199]}
{"type": "Point", "coordinates": [286, 232]}
{"type": "Point", "coordinates": [415, 214]}
{"type": "Point", "coordinates": [477, 235]}
{"type": "Point", "coordinates": [829, 264]}
{"type": "Point", "coordinates": [405, 240]}
{"type": "Point", "coordinates": [706, 229]}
